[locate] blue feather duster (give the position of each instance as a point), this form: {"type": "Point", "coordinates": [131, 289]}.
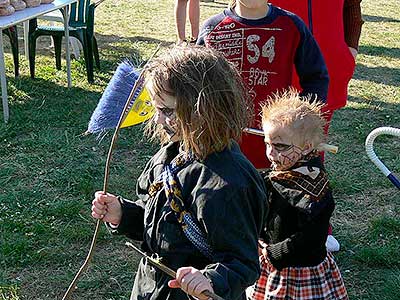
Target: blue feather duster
{"type": "Point", "coordinates": [112, 102]}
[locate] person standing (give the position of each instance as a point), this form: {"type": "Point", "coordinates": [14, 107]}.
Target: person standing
{"type": "Point", "coordinates": [336, 26]}
{"type": "Point", "coordinates": [294, 262]}
{"type": "Point", "coordinates": [199, 205]}
{"type": "Point", "coordinates": [267, 45]}
{"type": "Point", "coordinates": [192, 8]}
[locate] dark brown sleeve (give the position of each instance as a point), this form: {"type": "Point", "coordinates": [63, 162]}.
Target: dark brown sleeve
{"type": "Point", "coordinates": [352, 20]}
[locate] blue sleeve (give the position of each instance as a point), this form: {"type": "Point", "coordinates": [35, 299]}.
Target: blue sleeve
{"type": "Point", "coordinates": [310, 64]}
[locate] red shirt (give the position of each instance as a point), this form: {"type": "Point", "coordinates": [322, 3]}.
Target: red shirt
{"type": "Point", "coordinates": [267, 52]}
{"type": "Point", "coordinates": [326, 24]}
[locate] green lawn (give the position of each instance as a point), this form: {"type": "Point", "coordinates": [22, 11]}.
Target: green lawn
{"type": "Point", "coordinates": [49, 170]}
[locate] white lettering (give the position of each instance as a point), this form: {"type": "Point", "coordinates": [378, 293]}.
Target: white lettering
{"type": "Point", "coordinates": [257, 77]}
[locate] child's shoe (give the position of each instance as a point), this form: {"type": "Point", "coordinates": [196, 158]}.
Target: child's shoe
{"type": "Point", "coordinates": [332, 244]}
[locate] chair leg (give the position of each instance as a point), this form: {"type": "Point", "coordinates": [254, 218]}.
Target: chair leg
{"type": "Point", "coordinates": [57, 40]}
{"type": "Point", "coordinates": [88, 53]}
{"type": "Point", "coordinates": [96, 53]}
{"type": "Point", "coordinates": [14, 47]}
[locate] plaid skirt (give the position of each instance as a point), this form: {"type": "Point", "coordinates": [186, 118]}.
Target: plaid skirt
{"type": "Point", "coordinates": [322, 282]}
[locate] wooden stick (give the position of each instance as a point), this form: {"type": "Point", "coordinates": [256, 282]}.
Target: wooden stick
{"type": "Point", "coordinates": [156, 263]}
{"type": "Point", "coordinates": [89, 256]}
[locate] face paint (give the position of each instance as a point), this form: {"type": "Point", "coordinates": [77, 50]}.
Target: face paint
{"type": "Point", "coordinates": [167, 114]}
{"type": "Point", "coordinates": [281, 148]}
{"type": "Point", "coordinates": [284, 159]}
{"type": "Point", "coordinates": [165, 105]}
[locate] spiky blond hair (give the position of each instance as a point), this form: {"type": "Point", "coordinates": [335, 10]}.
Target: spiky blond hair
{"type": "Point", "coordinates": [301, 115]}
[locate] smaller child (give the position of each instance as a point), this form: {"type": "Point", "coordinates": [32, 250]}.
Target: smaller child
{"type": "Point", "coordinates": [180, 19]}
{"type": "Point", "coordinates": [294, 261]}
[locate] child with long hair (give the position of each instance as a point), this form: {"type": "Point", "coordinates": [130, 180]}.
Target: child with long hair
{"type": "Point", "coordinates": [266, 43]}
{"type": "Point", "coordinates": [295, 263]}
{"type": "Point", "coordinates": [200, 204]}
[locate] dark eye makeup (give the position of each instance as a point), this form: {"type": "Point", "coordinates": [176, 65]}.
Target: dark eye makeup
{"type": "Point", "coordinates": [168, 112]}
{"type": "Point", "coordinates": [280, 147]}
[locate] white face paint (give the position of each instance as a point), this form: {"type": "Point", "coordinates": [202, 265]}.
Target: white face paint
{"type": "Point", "coordinates": [165, 115]}
{"type": "Point", "coordinates": [282, 149]}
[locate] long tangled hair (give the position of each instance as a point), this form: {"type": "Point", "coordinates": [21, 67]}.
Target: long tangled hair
{"type": "Point", "coordinates": [212, 104]}
{"type": "Point", "coordinates": [302, 115]}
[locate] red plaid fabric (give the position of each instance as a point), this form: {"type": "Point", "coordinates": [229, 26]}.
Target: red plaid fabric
{"type": "Point", "coordinates": [322, 282]}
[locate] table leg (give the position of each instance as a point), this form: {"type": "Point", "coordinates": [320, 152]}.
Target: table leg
{"type": "Point", "coordinates": [26, 39]}
{"type": "Point", "coordinates": [3, 80]}
{"type": "Point", "coordinates": [68, 58]}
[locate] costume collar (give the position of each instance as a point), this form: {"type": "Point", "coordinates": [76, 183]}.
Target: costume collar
{"type": "Point", "coordinates": [307, 175]}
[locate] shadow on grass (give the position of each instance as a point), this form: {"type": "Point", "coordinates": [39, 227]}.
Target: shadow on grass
{"type": "Point", "coordinates": [380, 51]}
{"type": "Point", "coordinates": [353, 123]}
{"type": "Point", "coordinates": [369, 18]}
{"type": "Point", "coordinates": [106, 41]}
{"type": "Point", "coordinates": [381, 75]}
{"type": "Point", "coordinates": [119, 47]}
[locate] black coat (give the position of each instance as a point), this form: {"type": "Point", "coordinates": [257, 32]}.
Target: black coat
{"type": "Point", "coordinates": [301, 204]}
{"type": "Point", "coordinates": [228, 198]}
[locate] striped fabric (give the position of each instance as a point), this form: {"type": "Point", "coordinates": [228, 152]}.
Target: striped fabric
{"type": "Point", "coordinates": [169, 180]}
{"type": "Point", "coordinates": [322, 282]}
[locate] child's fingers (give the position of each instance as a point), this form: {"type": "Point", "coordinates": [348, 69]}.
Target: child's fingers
{"type": "Point", "coordinates": [174, 284]}
{"type": "Point", "coordinates": [262, 244]}
{"type": "Point", "coordinates": [189, 282]}
{"type": "Point", "coordinates": [99, 208]}
{"type": "Point", "coordinates": [265, 252]}
{"type": "Point", "coordinates": [100, 196]}
{"type": "Point", "coordinates": [200, 288]}
{"type": "Point", "coordinates": [104, 198]}
{"type": "Point", "coordinates": [184, 276]}
{"type": "Point", "coordinates": [181, 272]}
{"type": "Point", "coordinates": [97, 216]}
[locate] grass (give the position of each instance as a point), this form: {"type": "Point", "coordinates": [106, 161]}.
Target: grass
{"type": "Point", "coordinates": [49, 170]}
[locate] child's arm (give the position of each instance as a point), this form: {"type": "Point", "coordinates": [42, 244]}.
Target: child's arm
{"type": "Point", "coordinates": [208, 27]}
{"type": "Point", "coordinates": [310, 64]}
{"type": "Point", "coordinates": [233, 220]}
{"type": "Point", "coordinates": [306, 246]}
{"type": "Point", "coordinates": [352, 21]}
{"type": "Point", "coordinates": [131, 221]}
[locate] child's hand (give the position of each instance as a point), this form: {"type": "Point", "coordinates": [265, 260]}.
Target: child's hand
{"type": "Point", "coordinates": [107, 208]}
{"type": "Point", "coordinates": [262, 248]}
{"type": "Point", "coordinates": [353, 52]}
{"type": "Point", "coordinates": [191, 281]}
